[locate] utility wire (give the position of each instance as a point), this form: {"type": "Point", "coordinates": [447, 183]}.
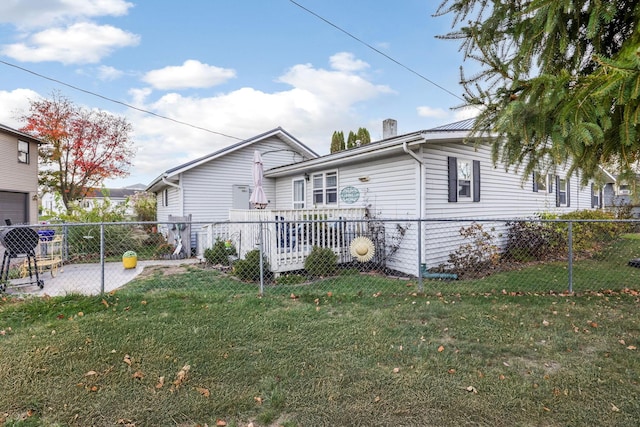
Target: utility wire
{"type": "Point", "coordinates": [411, 70]}
{"type": "Point", "coordinates": [142, 110]}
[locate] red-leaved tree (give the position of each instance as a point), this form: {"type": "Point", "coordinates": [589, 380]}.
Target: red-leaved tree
{"type": "Point", "coordinates": [81, 147]}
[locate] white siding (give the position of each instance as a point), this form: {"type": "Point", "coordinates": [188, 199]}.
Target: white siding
{"type": "Point", "coordinates": [391, 192]}
{"type": "Point", "coordinates": [503, 195]}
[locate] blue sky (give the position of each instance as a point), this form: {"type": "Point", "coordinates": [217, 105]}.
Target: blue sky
{"type": "Point", "coordinates": [237, 68]}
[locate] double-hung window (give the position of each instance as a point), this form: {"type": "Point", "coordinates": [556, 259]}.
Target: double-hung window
{"type": "Point", "coordinates": [298, 193]}
{"type": "Point", "coordinates": [563, 196]}
{"type": "Point", "coordinates": [464, 180]}
{"type": "Point", "coordinates": [325, 188]}
{"type": "Point", "coordinates": [541, 182]}
{"type": "Point", "coordinates": [23, 152]}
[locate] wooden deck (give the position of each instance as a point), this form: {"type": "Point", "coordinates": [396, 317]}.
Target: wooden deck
{"type": "Point", "coordinates": [288, 236]}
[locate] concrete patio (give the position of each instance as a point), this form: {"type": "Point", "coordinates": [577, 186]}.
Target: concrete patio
{"type": "Point", "coordinates": [87, 278]}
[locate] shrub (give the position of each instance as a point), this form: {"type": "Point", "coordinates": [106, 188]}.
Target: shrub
{"type": "Point", "coordinates": [321, 262]}
{"type": "Point", "coordinates": [531, 240]}
{"type": "Point", "coordinates": [478, 254]}
{"type": "Point", "coordinates": [248, 269]}
{"type": "Point", "coordinates": [219, 253]}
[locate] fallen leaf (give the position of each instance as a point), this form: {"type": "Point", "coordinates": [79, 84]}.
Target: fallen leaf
{"type": "Point", "coordinates": [258, 400]}
{"type": "Point", "coordinates": [221, 423]}
{"type": "Point", "coordinates": [292, 296]}
{"type": "Point", "coordinates": [127, 359]}
{"type": "Point", "coordinates": [181, 375]}
{"type": "Point", "coordinates": [160, 382]}
{"type": "Point", "coordinates": [94, 388]}
{"type": "Point", "coordinates": [90, 373]}
{"type": "Point", "coordinates": [105, 303]}
{"type": "Point", "coordinates": [506, 364]}
{"type": "Point", "coordinates": [143, 302]}
{"type": "Point", "coordinates": [329, 294]}
{"type": "Point", "coordinates": [593, 324]}
{"type": "Point", "coordinates": [138, 375]}
{"type": "Point", "coordinates": [545, 323]}
{"type": "Point", "coordinates": [377, 399]}
{"type": "Point", "coordinates": [396, 370]}
{"type": "Point", "coordinates": [614, 408]}
{"type": "Point", "coordinates": [451, 371]}
{"type": "Point", "coordinates": [203, 391]}
{"type": "Point", "coordinates": [472, 389]}
{"type": "Point", "coordinates": [501, 377]}
{"type": "Point", "coordinates": [622, 342]}
{"type": "Point", "coordinates": [546, 409]}
{"type": "Point", "coordinates": [80, 313]}
{"type": "Point", "coordinates": [631, 347]}
{"type": "Point", "coordinates": [440, 349]}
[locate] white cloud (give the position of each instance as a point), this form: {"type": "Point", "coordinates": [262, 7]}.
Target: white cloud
{"type": "Point", "coordinates": [14, 104]}
{"type": "Point", "coordinates": [41, 13]}
{"type": "Point", "coordinates": [191, 74]}
{"type": "Point", "coordinates": [345, 61]}
{"type": "Point", "coordinates": [436, 113]}
{"type": "Point", "coordinates": [318, 102]}
{"type": "Point", "coordinates": [466, 113]}
{"type": "Point", "coordinates": [108, 73]}
{"type": "Point", "coordinates": [77, 44]}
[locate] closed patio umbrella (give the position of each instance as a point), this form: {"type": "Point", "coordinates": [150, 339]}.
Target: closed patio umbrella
{"type": "Point", "coordinates": [258, 199]}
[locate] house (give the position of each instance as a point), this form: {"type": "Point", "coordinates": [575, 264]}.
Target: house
{"type": "Point", "coordinates": [51, 204]}
{"type": "Point", "coordinates": [380, 190]}
{"type": "Point", "coordinates": [18, 177]}
{"type": "Point", "coordinates": [205, 189]}
{"type": "Point", "coordinates": [434, 174]}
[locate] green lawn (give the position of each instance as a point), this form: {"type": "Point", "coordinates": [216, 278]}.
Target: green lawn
{"type": "Point", "coordinates": [351, 350]}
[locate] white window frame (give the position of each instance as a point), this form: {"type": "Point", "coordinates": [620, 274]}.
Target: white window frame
{"type": "Point", "coordinates": [23, 152]}
{"type": "Point", "coordinates": [465, 179]}
{"type": "Point", "coordinates": [322, 191]}
{"type": "Point", "coordinates": [297, 203]}
{"type": "Point", "coordinates": [542, 182]}
{"type": "Point", "coordinates": [595, 196]}
{"type": "Point", "coordinates": [165, 197]}
{"type": "Point", "coordinates": [562, 191]}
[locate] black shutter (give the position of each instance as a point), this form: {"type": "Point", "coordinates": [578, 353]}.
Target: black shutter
{"type": "Point", "coordinates": [557, 191]}
{"type": "Point", "coordinates": [453, 179]}
{"type": "Point", "coordinates": [476, 180]}
{"type": "Point", "coordinates": [535, 182]}
{"type": "Point", "coordinates": [601, 192]}
{"type": "Point", "coordinates": [593, 197]}
{"type": "Point", "coordinates": [568, 193]}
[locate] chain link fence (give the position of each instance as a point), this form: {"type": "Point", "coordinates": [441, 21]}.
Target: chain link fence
{"type": "Point", "coordinates": [353, 256]}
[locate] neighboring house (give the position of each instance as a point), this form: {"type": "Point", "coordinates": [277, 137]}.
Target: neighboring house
{"type": "Point", "coordinates": [431, 174]}
{"type": "Point", "coordinates": [18, 177]}
{"type": "Point", "coordinates": [208, 187]}
{"type": "Point", "coordinates": [619, 194]}
{"type": "Point", "coordinates": [51, 203]}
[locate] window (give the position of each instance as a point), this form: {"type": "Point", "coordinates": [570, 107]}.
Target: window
{"type": "Point", "coordinates": [596, 197]}
{"type": "Point", "coordinates": [464, 180]}
{"type": "Point", "coordinates": [298, 193]}
{"type": "Point", "coordinates": [562, 192]}
{"type": "Point", "coordinates": [165, 197]}
{"type": "Point", "coordinates": [541, 182]}
{"type": "Point", "coordinates": [325, 188]}
{"type": "Point", "coordinates": [624, 190]}
{"type": "Point", "coordinates": [23, 152]}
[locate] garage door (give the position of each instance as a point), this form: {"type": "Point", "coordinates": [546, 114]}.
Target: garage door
{"type": "Point", "coordinates": [13, 206]}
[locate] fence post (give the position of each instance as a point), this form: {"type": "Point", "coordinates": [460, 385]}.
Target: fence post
{"type": "Point", "coordinates": [102, 257]}
{"type": "Point", "coordinates": [420, 284]}
{"type": "Point", "coordinates": [260, 245]}
{"type": "Point", "coordinates": [570, 244]}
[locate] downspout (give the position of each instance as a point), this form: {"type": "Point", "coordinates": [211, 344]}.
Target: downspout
{"type": "Point", "coordinates": [179, 187]}
{"type": "Point", "coordinates": [406, 149]}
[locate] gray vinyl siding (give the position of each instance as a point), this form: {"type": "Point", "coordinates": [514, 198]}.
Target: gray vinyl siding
{"type": "Point", "coordinates": [19, 177]}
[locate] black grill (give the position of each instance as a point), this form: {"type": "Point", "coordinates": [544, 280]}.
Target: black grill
{"type": "Point", "coordinates": [20, 241]}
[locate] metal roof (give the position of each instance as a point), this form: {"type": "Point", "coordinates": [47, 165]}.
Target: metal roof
{"type": "Point", "coordinates": [462, 125]}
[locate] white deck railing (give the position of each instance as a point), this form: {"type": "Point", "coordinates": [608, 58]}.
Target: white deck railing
{"type": "Point", "coordinates": [289, 235]}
